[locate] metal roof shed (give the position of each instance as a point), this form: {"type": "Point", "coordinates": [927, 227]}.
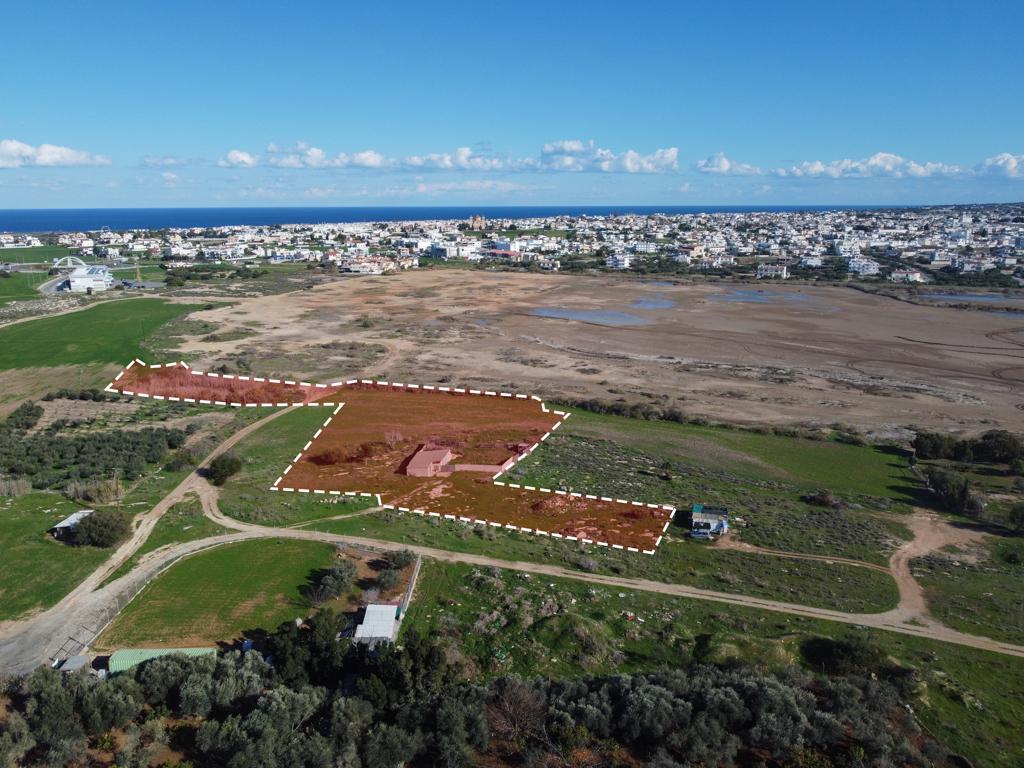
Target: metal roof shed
{"type": "Point", "coordinates": [380, 624]}
{"type": "Point", "coordinates": [128, 658]}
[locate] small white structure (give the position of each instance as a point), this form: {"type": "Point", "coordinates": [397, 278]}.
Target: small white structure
{"type": "Point", "coordinates": [90, 280]}
{"type": "Point", "coordinates": [66, 527]}
{"type": "Point", "coordinates": [379, 625]}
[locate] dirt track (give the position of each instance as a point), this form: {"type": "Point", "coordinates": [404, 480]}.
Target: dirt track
{"type": "Point", "coordinates": [789, 354]}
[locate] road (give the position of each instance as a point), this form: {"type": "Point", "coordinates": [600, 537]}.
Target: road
{"type": "Point", "coordinates": [87, 609]}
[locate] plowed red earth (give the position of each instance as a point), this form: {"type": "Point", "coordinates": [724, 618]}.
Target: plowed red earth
{"type": "Point", "coordinates": [181, 382]}
{"type": "Point", "coordinates": [365, 449]}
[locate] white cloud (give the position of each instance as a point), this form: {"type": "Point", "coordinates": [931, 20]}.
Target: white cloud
{"type": "Point", "coordinates": [166, 161]}
{"type": "Point", "coordinates": [15, 154]}
{"type": "Point", "coordinates": [236, 158]}
{"type": "Point", "coordinates": [577, 156]}
{"type": "Point", "coordinates": [567, 155]}
{"type": "Point", "coordinates": [884, 164]}
{"type": "Point", "coordinates": [1004, 164]}
{"type": "Point", "coordinates": [369, 158]}
{"type": "Point", "coordinates": [170, 179]}
{"type": "Point", "coordinates": [718, 163]}
{"type": "Point", "coordinates": [462, 159]}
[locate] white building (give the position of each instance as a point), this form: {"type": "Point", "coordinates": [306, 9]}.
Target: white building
{"type": "Point", "coordinates": [619, 261]}
{"type": "Point", "coordinates": [864, 267]}
{"type": "Point", "coordinates": [90, 280]}
{"type": "Point", "coordinates": [772, 271]}
{"type": "Point", "coordinates": [907, 276]}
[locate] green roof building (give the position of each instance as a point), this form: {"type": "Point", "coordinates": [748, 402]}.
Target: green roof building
{"type": "Point", "coordinates": [129, 658]}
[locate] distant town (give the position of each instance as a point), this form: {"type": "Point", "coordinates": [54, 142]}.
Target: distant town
{"type": "Point", "coordinates": [981, 245]}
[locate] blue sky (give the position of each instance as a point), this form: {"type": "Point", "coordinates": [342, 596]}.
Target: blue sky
{"type": "Point", "coordinates": [401, 103]}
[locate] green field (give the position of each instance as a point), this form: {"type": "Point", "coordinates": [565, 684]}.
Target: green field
{"type": "Point", "coordinates": [36, 571]}
{"type": "Point", "coordinates": [809, 464]}
{"type": "Point", "coordinates": [265, 454]}
{"type": "Point", "coordinates": [978, 590]}
{"type": "Point", "coordinates": [20, 285]}
{"type": "Point", "coordinates": [221, 595]}
{"type": "Point", "coordinates": [497, 622]}
{"type": "Point", "coordinates": [110, 332]}
{"type": "Point", "coordinates": [44, 254]}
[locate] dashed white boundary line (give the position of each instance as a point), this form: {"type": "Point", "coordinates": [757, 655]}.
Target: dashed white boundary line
{"type": "Point", "coordinates": [509, 464]}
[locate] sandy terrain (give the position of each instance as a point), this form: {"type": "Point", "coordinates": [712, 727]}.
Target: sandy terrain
{"type": "Point", "coordinates": [781, 354]}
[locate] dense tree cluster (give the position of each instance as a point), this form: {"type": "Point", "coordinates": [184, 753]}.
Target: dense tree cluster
{"type": "Point", "coordinates": [51, 460]}
{"type": "Point", "coordinates": [996, 446]}
{"type": "Point", "coordinates": [319, 702]}
{"type": "Point", "coordinates": [953, 490]}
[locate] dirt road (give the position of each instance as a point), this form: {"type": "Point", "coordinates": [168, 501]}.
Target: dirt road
{"type": "Point", "coordinates": [26, 644]}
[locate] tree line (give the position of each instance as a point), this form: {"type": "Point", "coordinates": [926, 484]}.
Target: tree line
{"type": "Point", "coordinates": [315, 702]}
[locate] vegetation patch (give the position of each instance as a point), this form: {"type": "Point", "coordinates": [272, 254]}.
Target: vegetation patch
{"type": "Point", "coordinates": [978, 589]}
{"type": "Point", "coordinates": [221, 595]}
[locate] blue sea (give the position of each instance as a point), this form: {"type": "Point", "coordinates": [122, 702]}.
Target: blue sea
{"type": "Point", "coordinates": [92, 219]}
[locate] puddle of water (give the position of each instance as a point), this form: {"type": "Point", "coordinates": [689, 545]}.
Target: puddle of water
{"type": "Point", "coordinates": [659, 283]}
{"type": "Point", "coordinates": [653, 304]}
{"type": "Point", "coordinates": [599, 316]}
{"type": "Point", "coordinates": [754, 296]}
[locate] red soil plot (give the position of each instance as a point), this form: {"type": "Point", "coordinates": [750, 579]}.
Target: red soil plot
{"type": "Point", "coordinates": [382, 431]}
{"type": "Point", "coordinates": [423, 449]}
{"type": "Point", "coordinates": [178, 382]}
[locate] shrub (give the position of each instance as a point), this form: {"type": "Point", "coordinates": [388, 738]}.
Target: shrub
{"type": "Point", "coordinates": [388, 579]}
{"type": "Point", "coordinates": [103, 528]}
{"type": "Point", "coordinates": [401, 559]}
{"type": "Point", "coordinates": [223, 467]}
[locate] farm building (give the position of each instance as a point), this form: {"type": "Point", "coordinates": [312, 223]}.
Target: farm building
{"type": "Point", "coordinates": [427, 462]}
{"type": "Point", "coordinates": [708, 522]}
{"type": "Point", "coordinates": [66, 528]}
{"type": "Point", "coordinates": [379, 625]}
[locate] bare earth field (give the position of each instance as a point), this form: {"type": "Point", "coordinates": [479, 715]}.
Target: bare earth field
{"type": "Point", "coordinates": [778, 354]}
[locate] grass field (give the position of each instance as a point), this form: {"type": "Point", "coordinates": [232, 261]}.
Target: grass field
{"type": "Point", "coordinates": [498, 622]}
{"type": "Point", "coordinates": [836, 585]}
{"type": "Point", "coordinates": [265, 454]}
{"type": "Point", "coordinates": [110, 332]}
{"type": "Point", "coordinates": [36, 571]}
{"type": "Point", "coordinates": [20, 285]}
{"type": "Point", "coordinates": [979, 590]}
{"type": "Point", "coordinates": [43, 254]}
{"type": "Point", "coordinates": [221, 595]}
{"type": "Point", "coordinates": [808, 464]}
